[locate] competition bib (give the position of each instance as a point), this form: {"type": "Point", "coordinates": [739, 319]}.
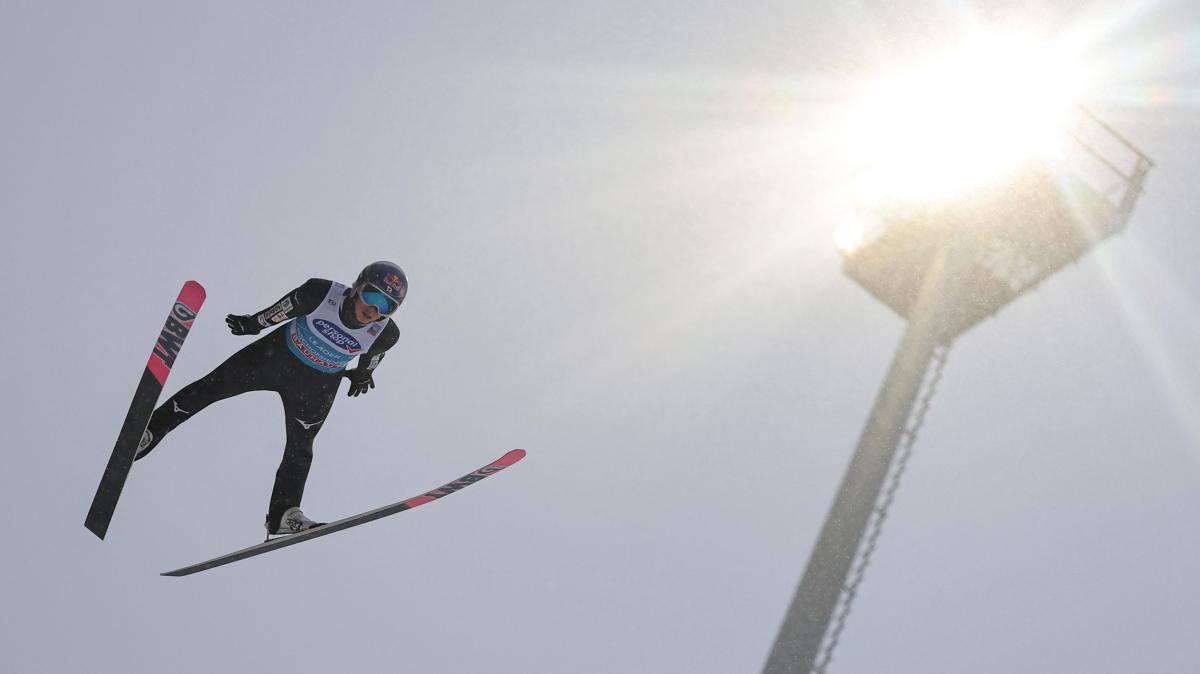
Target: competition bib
{"type": "Point", "coordinates": [323, 342]}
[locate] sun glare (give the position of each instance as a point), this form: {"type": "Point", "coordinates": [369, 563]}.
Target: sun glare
{"type": "Point", "coordinates": [849, 235]}
{"type": "Point", "coordinates": [954, 121]}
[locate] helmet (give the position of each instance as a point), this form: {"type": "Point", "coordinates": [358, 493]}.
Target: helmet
{"type": "Point", "coordinates": [386, 278]}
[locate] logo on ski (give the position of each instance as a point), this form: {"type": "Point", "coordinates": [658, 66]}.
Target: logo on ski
{"type": "Point", "coordinates": [174, 331]}
{"type": "Point", "coordinates": [447, 489]}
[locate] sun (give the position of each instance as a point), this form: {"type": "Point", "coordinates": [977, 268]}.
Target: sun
{"type": "Point", "coordinates": [955, 119]}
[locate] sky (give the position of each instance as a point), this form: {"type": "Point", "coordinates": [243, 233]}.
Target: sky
{"type": "Point", "coordinates": [617, 221]}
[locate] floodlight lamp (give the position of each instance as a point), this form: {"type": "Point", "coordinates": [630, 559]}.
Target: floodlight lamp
{"type": "Point", "coordinates": [935, 129]}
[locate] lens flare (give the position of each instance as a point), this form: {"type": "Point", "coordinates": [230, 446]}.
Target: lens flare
{"type": "Point", "coordinates": [952, 122]}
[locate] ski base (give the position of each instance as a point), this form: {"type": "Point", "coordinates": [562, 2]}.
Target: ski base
{"type": "Point", "coordinates": [154, 376]}
{"type": "Point", "coordinates": [292, 539]}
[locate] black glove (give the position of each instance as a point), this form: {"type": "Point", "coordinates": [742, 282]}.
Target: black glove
{"type": "Point", "coordinates": [242, 325]}
{"type": "Point", "coordinates": [360, 381]}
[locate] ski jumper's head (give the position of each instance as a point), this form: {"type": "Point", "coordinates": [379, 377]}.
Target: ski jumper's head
{"type": "Point", "coordinates": [377, 293]}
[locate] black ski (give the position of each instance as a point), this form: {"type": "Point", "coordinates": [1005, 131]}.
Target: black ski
{"type": "Point", "coordinates": [445, 490]}
{"type": "Point", "coordinates": [162, 358]}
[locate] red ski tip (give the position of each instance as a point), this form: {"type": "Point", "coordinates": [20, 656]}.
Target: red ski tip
{"type": "Point", "coordinates": [193, 294]}
{"type": "Point", "coordinates": [510, 458]}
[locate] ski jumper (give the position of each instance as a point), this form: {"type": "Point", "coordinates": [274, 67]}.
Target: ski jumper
{"type": "Point", "coordinates": [303, 361]}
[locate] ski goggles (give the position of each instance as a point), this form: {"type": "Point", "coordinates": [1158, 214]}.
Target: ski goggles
{"type": "Point", "coordinates": [376, 298]}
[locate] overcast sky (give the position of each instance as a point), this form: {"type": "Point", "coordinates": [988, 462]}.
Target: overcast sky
{"type": "Point", "coordinates": [617, 220]}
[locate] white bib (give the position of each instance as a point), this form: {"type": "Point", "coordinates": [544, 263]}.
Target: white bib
{"type": "Point", "coordinates": [320, 339]}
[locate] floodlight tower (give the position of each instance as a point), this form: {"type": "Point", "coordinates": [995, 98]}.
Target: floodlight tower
{"type": "Point", "coordinates": [944, 267]}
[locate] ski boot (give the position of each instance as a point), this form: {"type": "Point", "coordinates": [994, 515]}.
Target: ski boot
{"type": "Point", "coordinates": [293, 521]}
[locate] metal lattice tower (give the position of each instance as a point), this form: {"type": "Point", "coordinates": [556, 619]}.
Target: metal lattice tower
{"type": "Point", "coordinates": [944, 268]}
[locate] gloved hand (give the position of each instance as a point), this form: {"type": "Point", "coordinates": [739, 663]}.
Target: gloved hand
{"type": "Point", "coordinates": [360, 381]}
{"type": "Point", "coordinates": [243, 325]}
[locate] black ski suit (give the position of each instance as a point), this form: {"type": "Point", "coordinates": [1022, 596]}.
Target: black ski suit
{"type": "Point", "coordinates": [267, 364]}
